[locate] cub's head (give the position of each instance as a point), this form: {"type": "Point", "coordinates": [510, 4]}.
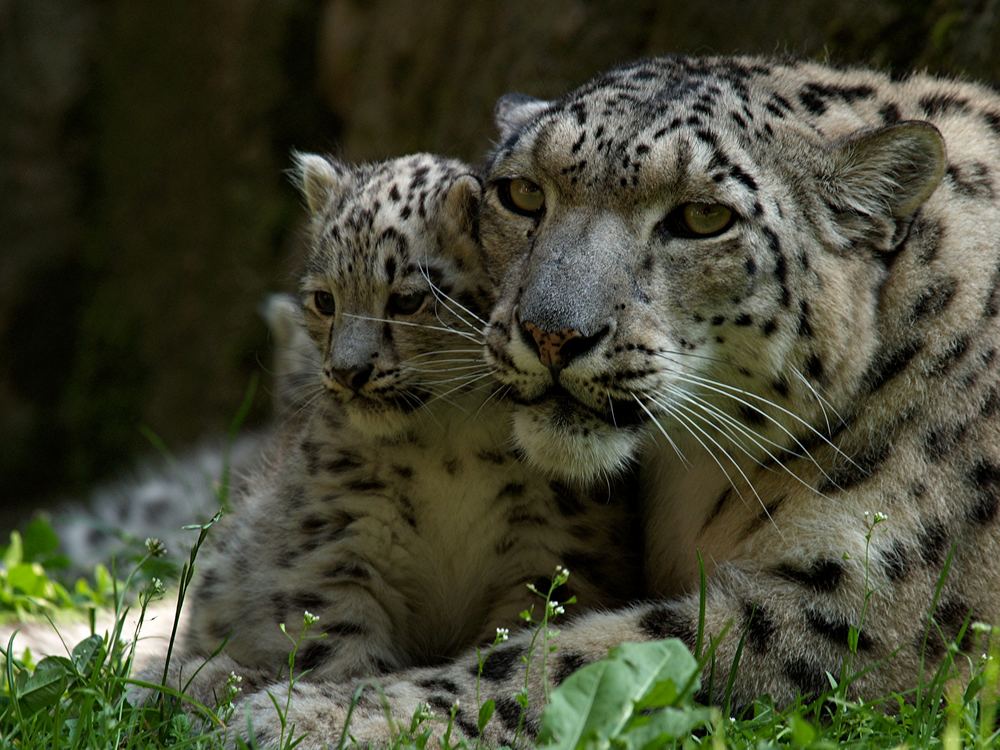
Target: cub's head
{"type": "Point", "coordinates": [393, 283]}
{"type": "Point", "coordinates": [676, 244]}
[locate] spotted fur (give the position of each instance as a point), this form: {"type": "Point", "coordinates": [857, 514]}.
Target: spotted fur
{"type": "Point", "coordinates": [829, 356]}
{"type": "Point", "coordinates": [396, 509]}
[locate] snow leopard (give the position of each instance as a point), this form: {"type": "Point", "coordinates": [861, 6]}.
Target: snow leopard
{"type": "Point", "coordinates": [396, 509]}
{"type": "Point", "coordinates": [775, 284]}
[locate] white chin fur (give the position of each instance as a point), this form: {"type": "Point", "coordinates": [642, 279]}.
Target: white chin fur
{"type": "Point", "coordinates": [572, 452]}
{"type": "Point", "coordinates": [384, 424]}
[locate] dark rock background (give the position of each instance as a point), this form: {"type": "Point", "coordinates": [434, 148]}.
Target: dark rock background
{"type": "Point", "coordinates": [143, 207]}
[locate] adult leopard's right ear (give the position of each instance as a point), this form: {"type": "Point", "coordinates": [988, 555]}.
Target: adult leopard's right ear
{"type": "Point", "coordinates": [514, 111]}
{"type": "Point", "coordinates": [320, 179]}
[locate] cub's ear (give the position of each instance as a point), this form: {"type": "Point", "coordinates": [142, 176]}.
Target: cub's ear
{"type": "Point", "coordinates": [888, 171]}
{"type": "Point", "coordinates": [319, 178]}
{"type": "Point", "coordinates": [296, 360]}
{"type": "Point", "coordinates": [460, 208]}
{"type": "Point", "coordinates": [460, 217]}
{"type": "Point", "coordinates": [513, 111]}
{"type": "Point", "coordinates": [283, 315]}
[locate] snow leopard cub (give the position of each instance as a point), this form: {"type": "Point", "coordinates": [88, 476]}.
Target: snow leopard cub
{"type": "Point", "coordinates": [395, 509]}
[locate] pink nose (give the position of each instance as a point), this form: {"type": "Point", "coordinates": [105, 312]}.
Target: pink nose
{"type": "Point", "coordinates": [551, 346]}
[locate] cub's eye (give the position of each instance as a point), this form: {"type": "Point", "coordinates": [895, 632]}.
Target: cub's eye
{"type": "Point", "coordinates": [406, 304]}
{"type": "Point", "coordinates": [522, 197]}
{"type": "Point", "coordinates": [324, 303]}
{"type": "Point", "coordinates": [701, 219]}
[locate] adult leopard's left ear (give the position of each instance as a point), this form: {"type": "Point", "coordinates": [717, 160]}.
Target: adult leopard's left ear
{"type": "Point", "coordinates": [888, 170]}
{"type": "Point", "coordinates": [513, 111]}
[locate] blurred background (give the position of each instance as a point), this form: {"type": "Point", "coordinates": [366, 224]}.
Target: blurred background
{"type": "Point", "coordinates": [143, 207]}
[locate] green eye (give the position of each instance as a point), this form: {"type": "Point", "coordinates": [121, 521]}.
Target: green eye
{"type": "Point", "coordinates": [324, 303]}
{"type": "Point", "coordinates": [406, 304]}
{"type": "Point", "coordinates": [696, 221]}
{"type": "Point", "coordinates": [705, 219]}
{"type": "Point", "coordinates": [521, 196]}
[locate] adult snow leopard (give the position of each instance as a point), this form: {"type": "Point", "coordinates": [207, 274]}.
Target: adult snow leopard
{"type": "Point", "coordinates": [776, 283]}
{"type": "Point", "coordinates": [396, 510]}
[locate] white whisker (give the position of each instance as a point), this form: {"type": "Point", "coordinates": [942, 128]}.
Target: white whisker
{"type": "Point", "coordinates": [500, 389]}
{"type": "Point", "coordinates": [439, 293]}
{"type": "Point", "coordinates": [440, 370]}
{"type": "Point", "coordinates": [719, 388]}
{"type": "Point", "coordinates": [823, 403]}
{"type": "Point", "coordinates": [463, 376]}
{"type": "Point", "coordinates": [732, 437]}
{"type": "Point", "coordinates": [689, 424]}
{"type": "Point", "coordinates": [715, 384]}
{"type": "Point", "coordinates": [611, 406]}
{"type": "Point", "coordinates": [678, 451]}
{"type": "Point", "coordinates": [460, 386]}
{"type": "Point", "coordinates": [443, 329]}
{"type": "Point", "coordinates": [733, 423]}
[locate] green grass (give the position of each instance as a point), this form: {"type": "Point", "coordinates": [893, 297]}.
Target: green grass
{"type": "Point", "coordinates": [639, 698]}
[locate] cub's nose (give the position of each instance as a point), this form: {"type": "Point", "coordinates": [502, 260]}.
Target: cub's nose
{"type": "Point", "coordinates": [353, 377]}
{"type": "Point", "coordinates": [556, 349]}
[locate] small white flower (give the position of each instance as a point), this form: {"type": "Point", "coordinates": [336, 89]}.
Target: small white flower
{"type": "Point", "coordinates": [156, 586]}
{"type": "Point", "coordinates": [423, 712]}
{"type": "Point", "coordinates": [502, 635]}
{"type": "Point", "coordinates": [309, 619]}
{"type": "Point", "coordinates": [879, 517]}
{"type": "Point", "coordinates": [155, 547]}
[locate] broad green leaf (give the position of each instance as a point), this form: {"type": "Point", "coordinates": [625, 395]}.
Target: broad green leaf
{"type": "Point", "coordinates": [486, 713]}
{"type": "Point", "coordinates": [29, 578]}
{"type": "Point", "coordinates": [803, 733]}
{"type": "Point", "coordinates": [88, 654]}
{"type": "Point", "coordinates": [663, 726]}
{"type": "Point", "coordinates": [595, 703]}
{"type": "Point", "coordinates": [14, 553]}
{"type": "Point", "coordinates": [103, 581]}
{"type": "Point", "coordinates": [40, 541]}
{"type": "Point", "coordinates": [44, 687]}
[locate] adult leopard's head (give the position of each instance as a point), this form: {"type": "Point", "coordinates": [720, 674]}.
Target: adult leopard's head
{"type": "Point", "coordinates": [393, 283]}
{"type": "Point", "coordinates": [681, 239]}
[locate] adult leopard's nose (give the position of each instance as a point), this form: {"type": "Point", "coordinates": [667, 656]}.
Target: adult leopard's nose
{"type": "Point", "coordinates": [556, 349]}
